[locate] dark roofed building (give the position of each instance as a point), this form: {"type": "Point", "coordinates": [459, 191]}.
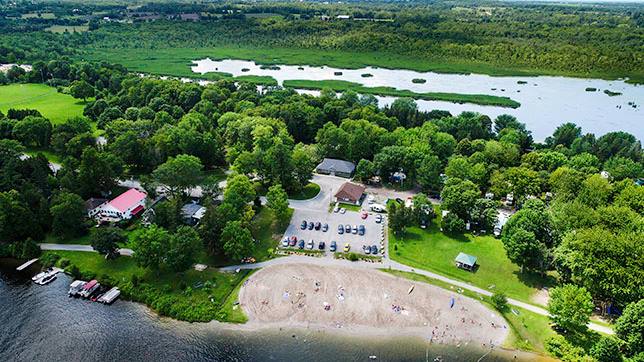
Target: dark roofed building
{"type": "Point", "coordinates": [192, 213]}
{"type": "Point", "coordinates": [350, 193]}
{"type": "Point", "coordinates": [335, 167]}
{"type": "Point", "coordinates": [92, 205]}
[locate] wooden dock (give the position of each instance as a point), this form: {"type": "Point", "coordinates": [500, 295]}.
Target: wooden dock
{"type": "Point", "coordinates": [26, 265]}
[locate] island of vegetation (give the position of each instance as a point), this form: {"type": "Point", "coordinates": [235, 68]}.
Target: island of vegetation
{"type": "Point", "coordinates": [342, 86]}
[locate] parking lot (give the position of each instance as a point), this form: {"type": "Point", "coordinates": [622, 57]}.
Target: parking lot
{"type": "Point", "coordinates": [373, 231]}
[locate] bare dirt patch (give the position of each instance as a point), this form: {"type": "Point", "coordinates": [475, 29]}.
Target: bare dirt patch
{"type": "Point", "coordinates": [366, 302]}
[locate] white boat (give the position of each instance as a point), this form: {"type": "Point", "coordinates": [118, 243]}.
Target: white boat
{"type": "Point", "coordinates": [110, 296]}
{"type": "Point", "coordinates": [50, 277]}
{"type": "Point", "coordinates": [38, 276]}
{"type": "Point", "coordinates": [46, 277]}
{"type": "Point", "coordinates": [75, 287]}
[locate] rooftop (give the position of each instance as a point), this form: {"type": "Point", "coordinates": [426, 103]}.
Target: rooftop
{"type": "Point", "coordinates": [466, 259]}
{"type": "Point", "coordinates": [128, 199]}
{"type": "Point", "coordinates": [350, 191]}
{"type": "Point", "coordinates": [93, 203]}
{"type": "Point", "coordinates": [193, 210]}
{"type": "Point", "coordinates": [332, 164]}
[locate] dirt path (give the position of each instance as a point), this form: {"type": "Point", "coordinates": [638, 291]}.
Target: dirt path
{"type": "Point", "coordinates": [366, 302]}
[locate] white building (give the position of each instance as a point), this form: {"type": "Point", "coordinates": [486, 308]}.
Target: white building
{"type": "Point", "coordinates": [123, 207]}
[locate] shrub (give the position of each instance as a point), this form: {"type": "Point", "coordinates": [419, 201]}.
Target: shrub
{"type": "Point", "coordinates": [352, 257]}
{"type": "Point", "coordinates": [49, 260]}
{"type": "Point", "coordinates": [560, 348]}
{"type": "Point", "coordinates": [64, 263]}
{"type": "Point", "coordinates": [452, 224]}
{"type": "Point", "coordinates": [74, 271]}
{"type": "Point", "coordinates": [500, 301]}
{"type": "Point", "coordinates": [607, 350]}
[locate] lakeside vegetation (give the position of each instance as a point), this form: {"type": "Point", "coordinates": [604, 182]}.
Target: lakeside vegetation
{"type": "Point", "coordinates": [191, 296]}
{"type": "Point", "coordinates": [343, 86]}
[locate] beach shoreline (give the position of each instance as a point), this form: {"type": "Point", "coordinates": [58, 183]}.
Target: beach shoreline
{"type": "Point", "coordinates": [355, 302]}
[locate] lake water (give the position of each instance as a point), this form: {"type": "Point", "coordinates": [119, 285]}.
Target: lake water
{"type": "Point", "coordinates": [40, 323]}
{"type": "Point", "coordinates": [546, 101]}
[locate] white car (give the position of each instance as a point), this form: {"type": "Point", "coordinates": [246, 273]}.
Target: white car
{"type": "Point", "coordinates": [343, 210]}
{"type": "Point", "coordinates": [310, 244]}
{"type": "Point", "coordinates": [285, 242]}
{"type": "Point", "coordinates": [336, 208]}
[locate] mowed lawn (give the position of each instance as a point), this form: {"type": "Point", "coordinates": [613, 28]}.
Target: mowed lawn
{"type": "Point", "coordinates": [432, 250]}
{"type": "Point", "coordinates": [57, 107]}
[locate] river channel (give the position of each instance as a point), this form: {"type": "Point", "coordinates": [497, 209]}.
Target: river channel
{"type": "Point", "coordinates": [546, 101]}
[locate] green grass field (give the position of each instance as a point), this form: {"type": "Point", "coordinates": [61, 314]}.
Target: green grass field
{"type": "Point", "coordinates": [176, 61]}
{"type": "Point", "coordinates": [57, 107]}
{"type": "Point", "coordinates": [38, 15]}
{"type": "Point", "coordinates": [59, 29]}
{"type": "Point", "coordinates": [342, 86]}
{"type": "Point", "coordinates": [432, 250]}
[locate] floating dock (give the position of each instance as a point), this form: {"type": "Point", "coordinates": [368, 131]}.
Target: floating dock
{"type": "Point", "coordinates": [26, 265]}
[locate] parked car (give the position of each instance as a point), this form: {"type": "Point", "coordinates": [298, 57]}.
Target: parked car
{"type": "Point", "coordinates": [303, 225]}
{"type": "Point", "coordinates": [301, 244]}
{"type": "Point", "coordinates": [340, 229]}
{"type": "Point", "coordinates": [343, 210]}
{"type": "Point", "coordinates": [333, 246]}
{"type": "Point", "coordinates": [361, 230]}
{"type": "Point", "coordinates": [321, 245]}
{"type": "Point", "coordinates": [378, 208]}
{"type": "Point", "coordinates": [325, 227]}
{"type": "Point", "coordinates": [399, 200]}
{"type": "Point", "coordinates": [285, 242]}
{"type": "Point", "coordinates": [318, 225]}
{"type": "Point", "coordinates": [366, 249]}
{"type": "Point", "coordinates": [310, 244]}
{"type": "Point", "coordinates": [347, 247]}
{"type": "Point", "coordinates": [355, 229]}
{"type": "Point", "coordinates": [370, 199]}
{"type": "Point", "coordinates": [336, 208]}
{"type": "Point", "coordinates": [423, 223]}
{"type": "Point", "coordinates": [311, 225]}
{"type": "Point", "coordinates": [347, 228]}
{"type": "Point", "coordinates": [378, 219]}
{"type": "Point", "coordinates": [292, 241]}
{"type": "Point", "coordinates": [374, 249]}
{"type": "Point", "coordinates": [364, 215]}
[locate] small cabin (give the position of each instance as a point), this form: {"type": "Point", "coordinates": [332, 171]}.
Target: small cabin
{"type": "Point", "coordinates": [465, 261]}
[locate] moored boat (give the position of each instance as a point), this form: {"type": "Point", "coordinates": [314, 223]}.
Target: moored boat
{"type": "Point", "coordinates": [76, 287]}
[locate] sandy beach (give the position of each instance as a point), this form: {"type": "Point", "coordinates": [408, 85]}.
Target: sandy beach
{"type": "Point", "coordinates": [366, 302]}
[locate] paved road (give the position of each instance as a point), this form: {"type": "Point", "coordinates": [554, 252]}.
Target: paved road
{"type": "Point", "coordinates": [76, 247]}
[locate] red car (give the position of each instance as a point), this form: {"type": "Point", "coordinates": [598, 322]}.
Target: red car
{"type": "Point", "coordinates": [364, 215]}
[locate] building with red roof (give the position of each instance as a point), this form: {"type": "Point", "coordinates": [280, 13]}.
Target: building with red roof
{"type": "Point", "coordinates": [123, 207]}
